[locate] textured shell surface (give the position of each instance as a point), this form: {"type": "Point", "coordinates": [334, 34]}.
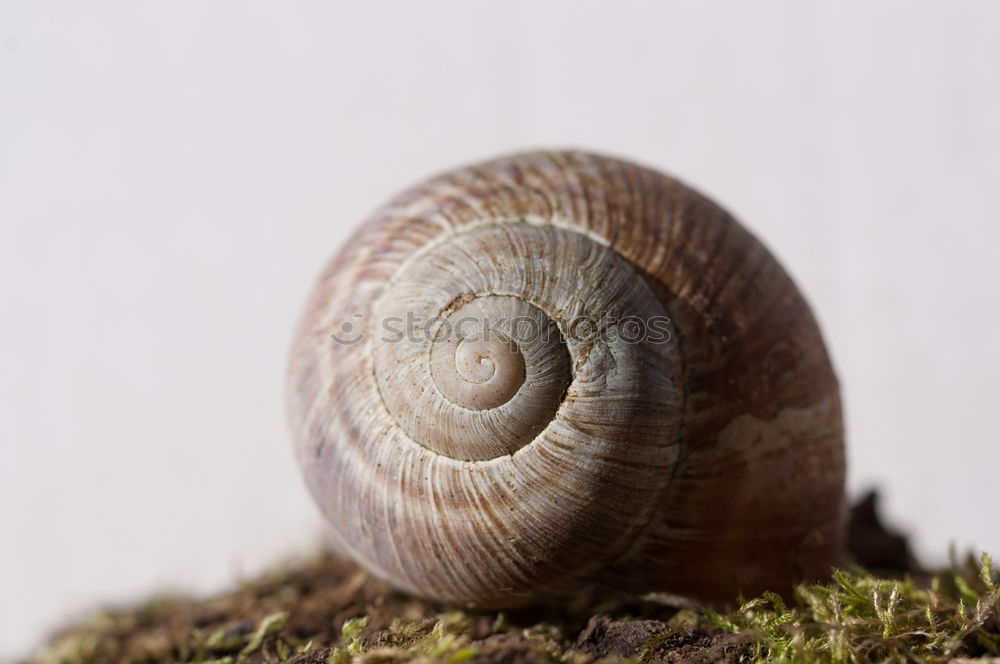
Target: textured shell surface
{"type": "Point", "coordinates": [558, 368]}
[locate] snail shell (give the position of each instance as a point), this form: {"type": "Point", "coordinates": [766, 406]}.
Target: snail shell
{"type": "Point", "coordinates": [557, 368]}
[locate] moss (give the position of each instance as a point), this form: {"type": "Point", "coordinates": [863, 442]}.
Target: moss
{"type": "Point", "coordinates": [859, 617]}
{"type": "Point", "coordinates": [325, 610]}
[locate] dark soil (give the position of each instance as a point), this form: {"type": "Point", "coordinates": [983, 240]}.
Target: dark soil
{"type": "Point", "coordinates": [303, 614]}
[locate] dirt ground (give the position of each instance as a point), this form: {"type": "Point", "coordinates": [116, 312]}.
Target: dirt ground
{"type": "Point", "coordinates": [327, 610]}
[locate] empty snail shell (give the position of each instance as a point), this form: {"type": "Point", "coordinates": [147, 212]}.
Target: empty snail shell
{"type": "Point", "coordinates": [555, 369]}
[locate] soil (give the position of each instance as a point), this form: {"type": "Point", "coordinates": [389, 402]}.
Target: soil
{"type": "Point", "coordinates": [303, 614]}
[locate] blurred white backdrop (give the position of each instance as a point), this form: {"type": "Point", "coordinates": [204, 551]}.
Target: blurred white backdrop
{"type": "Point", "coordinates": [173, 175]}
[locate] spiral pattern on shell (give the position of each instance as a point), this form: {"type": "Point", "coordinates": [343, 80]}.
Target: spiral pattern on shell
{"type": "Point", "coordinates": [487, 430]}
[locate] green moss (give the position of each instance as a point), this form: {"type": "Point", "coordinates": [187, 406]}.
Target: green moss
{"type": "Point", "coordinates": [858, 617]}
{"type": "Point", "coordinates": [325, 610]}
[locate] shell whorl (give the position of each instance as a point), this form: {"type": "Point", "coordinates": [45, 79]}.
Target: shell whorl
{"type": "Point", "coordinates": [492, 430]}
{"type": "Point", "coordinates": [511, 330]}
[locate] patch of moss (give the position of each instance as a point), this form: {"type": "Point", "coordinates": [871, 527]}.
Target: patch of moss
{"type": "Point", "coordinates": [859, 617]}
{"type": "Point", "coordinates": [326, 611]}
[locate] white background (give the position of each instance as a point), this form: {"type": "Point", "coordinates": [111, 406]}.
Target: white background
{"type": "Point", "coordinates": [173, 175]}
